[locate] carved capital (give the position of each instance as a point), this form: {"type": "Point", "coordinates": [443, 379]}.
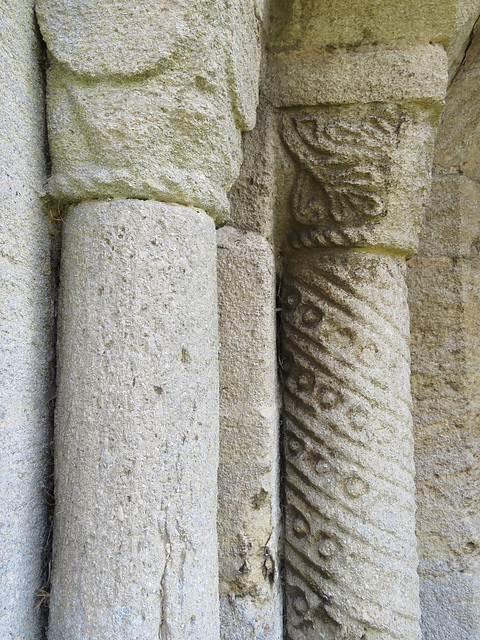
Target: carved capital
{"type": "Point", "coordinates": [148, 99]}
{"type": "Point", "coordinates": [363, 174]}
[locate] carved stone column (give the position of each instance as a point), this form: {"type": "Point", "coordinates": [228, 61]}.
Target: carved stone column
{"type": "Point", "coordinates": [361, 176]}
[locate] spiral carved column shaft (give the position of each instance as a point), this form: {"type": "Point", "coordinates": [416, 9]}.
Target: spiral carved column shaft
{"type": "Point", "coordinates": [350, 518]}
{"type": "Point", "coordinates": [359, 169]}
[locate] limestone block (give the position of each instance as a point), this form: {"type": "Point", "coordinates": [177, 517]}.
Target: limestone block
{"type": "Point", "coordinates": [248, 517]}
{"type": "Point", "coordinates": [450, 228]}
{"type": "Point", "coordinates": [447, 607]}
{"type": "Point", "coordinates": [350, 510]}
{"type": "Point", "coordinates": [26, 335]}
{"type": "Point", "coordinates": [149, 101]}
{"type": "Point", "coordinates": [136, 438]}
{"type": "Point", "coordinates": [309, 24]}
{"type": "Point", "coordinates": [444, 290]}
{"type": "Point", "coordinates": [445, 303]}
{"type": "Point", "coordinates": [403, 72]}
{"type": "Point", "coordinates": [252, 197]}
{"type": "Point", "coordinates": [458, 144]}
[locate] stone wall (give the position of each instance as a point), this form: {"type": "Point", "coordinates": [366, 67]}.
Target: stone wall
{"type": "Point", "coordinates": [444, 293]}
{"type": "Point", "coordinates": [242, 187]}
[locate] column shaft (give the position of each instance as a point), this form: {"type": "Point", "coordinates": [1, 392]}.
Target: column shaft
{"type": "Point", "coordinates": [350, 517]}
{"type": "Point", "coordinates": [136, 437]}
{"type": "Point", "coordinates": [351, 197]}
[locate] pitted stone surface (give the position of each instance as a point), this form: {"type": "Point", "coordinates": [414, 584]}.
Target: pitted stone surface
{"type": "Point", "coordinates": [112, 38]}
{"type": "Point", "coordinates": [26, 319]}
{"type": "Point", "coordinates": [450, 607]}
{"type": "Point", "coordinates": [350, 206]}
{"type": "Point", "coordinates": [159, 138]}
{"type": "Point", "coordinates": [248, 517]}
{"type": "Point", "coordinates": [369, 74]}
{"type": "Point", "coordinates": [444, 287]}
{"type": "Point", "coordinates": [136, 438]}
{"type": "Point", "coordinates": [148, 100]}
{"type": "Point", "coordinates": [458, 144]}
{"type": "Point", "coordinates": [252, 197]}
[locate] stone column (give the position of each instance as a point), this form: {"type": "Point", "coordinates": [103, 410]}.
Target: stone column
{"type": "Point", "coordinates": [248, 478]}
{"type": "Point", "coordinates": [26, 327]}
{"type": "Point", "coordinates": [146, 104]}
{"type": "Point", "coordinates": [361, 148]}
{"type": "Point", "coordinates": [136, 434]}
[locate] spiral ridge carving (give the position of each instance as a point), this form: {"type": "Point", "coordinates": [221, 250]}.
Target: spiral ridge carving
{"type": "Point", "coordinates": [349, 477]}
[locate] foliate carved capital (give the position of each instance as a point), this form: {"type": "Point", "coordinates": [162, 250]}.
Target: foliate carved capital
{"type": "Point", "coordinates": [363, 174]}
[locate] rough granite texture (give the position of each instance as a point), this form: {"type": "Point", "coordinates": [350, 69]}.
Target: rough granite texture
{"type": "Point", "coordinates": [248, 479]}
{"type": "Point", "coordinates": [136, 435]}
{"type": "Point", "coordinates": [26, 338]}
{"type": "Point", "coordinates": [252, 197]}
{"type": "Point", "coordinates": [149, 101]}
{"type": "Point", "coordinates": [444, 284]}
{"type": "Point", "coordinates": [370, 74]}
{"type": "Point", "coordinates": [458, 144]}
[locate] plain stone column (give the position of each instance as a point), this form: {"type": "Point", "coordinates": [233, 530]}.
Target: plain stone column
{"type": "Point", "coordinates": [148, 101]}
{"type": "Point", "coordinates": [26, 319]}
{"type": "Point", "coordinates": [136, 436]}
{"type": "Point", "coordinates": [248, 478]}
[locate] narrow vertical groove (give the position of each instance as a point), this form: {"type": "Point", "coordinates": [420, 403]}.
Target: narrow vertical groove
{"type": "Point", "coordinates": [350, 511]}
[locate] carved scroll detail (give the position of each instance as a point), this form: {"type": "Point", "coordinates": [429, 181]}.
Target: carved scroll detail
{"type": "Point", "coordinates": [350, 513]}
{"type": "Point", "coordinates": [345, 161]}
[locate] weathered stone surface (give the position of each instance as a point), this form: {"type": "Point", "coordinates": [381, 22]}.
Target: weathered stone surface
{"type": "Point", "coordinates": [444, 287]}
{"type": "Point", "coordinates": [136, 440]}
{"type": "Point", "coordinates": [370, 74]}
{"type": "Point", "coordinates": [149, 101]}
{"type": "Point", "coordinates": [444, 295]}
{"type": "Point", "coordinates": [252, 196]}
{"type": "Point", "coordinates": [458, 143]}
{"type": "Point", "coordinates": [450, 607]}
{"type": "Point", "coordinates": [309, 24]}
{"type": "Point", "coordinates": [349, 211]}
{"type": "Point", "coordinates": [161, 138]}
{"type": "Point", "coordinates": [350, 511]}
{"type": "Point", "coordinates": [450, 227]}
{"type": "Point", "coordinates": [26, 319]}
{"type": "Point", "coordinates": [248, 517]}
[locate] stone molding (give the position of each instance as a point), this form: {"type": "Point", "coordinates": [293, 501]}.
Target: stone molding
{"type": "Point", "coordinates": [403, 73]}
